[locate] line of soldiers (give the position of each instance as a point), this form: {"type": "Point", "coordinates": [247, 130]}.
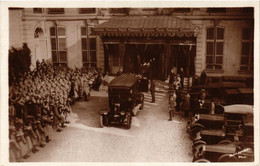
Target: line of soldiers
{"type": "Point", "coordinates": [40, 103]}
{"type": "Point", "coordinates": [178, 99]}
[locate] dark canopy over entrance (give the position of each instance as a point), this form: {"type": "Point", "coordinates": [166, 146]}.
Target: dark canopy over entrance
{"type": "Point", "coordinates": [146, 26]}
{"type": "Point", "coordinates": [132, 40]}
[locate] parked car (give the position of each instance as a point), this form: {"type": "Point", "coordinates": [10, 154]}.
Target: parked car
{"type": "Point", "coordinates": [230, 152]}
{"type": "Point", "coordinates": [124, 98]}
{"type": "Point", "coordinates": [238, 127]}
{"type": "Point", "coordinates": [238, 120]}
{"type": "Point", "coordinates": [223, 152]}
{"type": "Point", "coordinates": [203, 120]}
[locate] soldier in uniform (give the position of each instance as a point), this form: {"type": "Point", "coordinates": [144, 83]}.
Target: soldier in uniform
{"type": "Point", "coordinates": [172, 105]}
{"type": "Point", "coordinates": [152, 90]}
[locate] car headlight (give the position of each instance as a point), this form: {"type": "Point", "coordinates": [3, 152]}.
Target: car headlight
{"type": "Point", "coordinates": [197, 117]}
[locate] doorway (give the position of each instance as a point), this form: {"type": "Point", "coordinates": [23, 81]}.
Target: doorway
{"type": "Point", "coordinates": [40, 46]}
{"type": "Point", "coordinates": [183, 56]}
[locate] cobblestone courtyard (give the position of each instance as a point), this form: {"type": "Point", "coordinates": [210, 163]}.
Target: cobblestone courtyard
{"type": "Point", "coordinates": [152, 138]}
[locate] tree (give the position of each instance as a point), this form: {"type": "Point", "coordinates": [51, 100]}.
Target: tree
{"type": "Point", "coordinates": [19, 62]}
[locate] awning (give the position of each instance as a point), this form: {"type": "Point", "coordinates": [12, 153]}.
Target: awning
{"type": "Point", "coordinates": [146, 26]}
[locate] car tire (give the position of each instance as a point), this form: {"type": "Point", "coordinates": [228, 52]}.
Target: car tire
{"type": "Point", "coordinates": [202, 161]}
{"type": "Point", "coordinates": [194, 131]}
{"type": "Point", "coordinates": [225, 142]}
{"type": "Point", "coordinates": [129, 121]}
{"type": "Point", "coordinates": [227, 158]}
{"type": "Point", "coordinates": [196, 144]}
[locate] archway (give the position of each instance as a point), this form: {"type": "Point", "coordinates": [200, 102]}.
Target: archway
{"type": "Point", "coordinates": [40, 46]}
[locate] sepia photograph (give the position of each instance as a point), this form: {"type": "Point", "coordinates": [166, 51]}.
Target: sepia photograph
{"type": "Point", "coordinates": [131, 84]}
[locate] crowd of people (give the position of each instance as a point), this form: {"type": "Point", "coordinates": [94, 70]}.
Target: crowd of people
{"type": "Point", "coordinates": [179, 100]}
{"type": "Point", "coordinates": [40, 103]}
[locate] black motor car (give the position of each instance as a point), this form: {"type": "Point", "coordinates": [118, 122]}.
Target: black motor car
{"type": "Point", "coordinates": [125, 99]}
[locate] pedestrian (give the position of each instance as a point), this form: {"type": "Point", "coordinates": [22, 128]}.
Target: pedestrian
{"type": "Point", "coordinates": [181, 77]}
{"type": "Point", "coordinates": [172, 105]}
{"type": "Point", "coordinates": [186, 105]}
{"type": "Point", "coordinates": [203, 78]}
{"type": "Point", "coordinates": [172, 77]}
{"type": "Point", "coordinates": [152, 90]}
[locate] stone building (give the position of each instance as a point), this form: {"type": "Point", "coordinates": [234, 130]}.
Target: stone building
{"type": "Point", "coordinates": [217, 40]}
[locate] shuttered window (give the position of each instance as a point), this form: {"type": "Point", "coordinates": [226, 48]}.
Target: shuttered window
{"type": "Point", "coordinates": [246, 62]}
{"type": "Point", "coordinates": [88, 48]}
{"type": "Point", "coordinates": [214, 48]}
{"type": "Point", "coordinates": [58, 46]}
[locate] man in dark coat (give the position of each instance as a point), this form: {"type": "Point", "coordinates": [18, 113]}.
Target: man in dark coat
{"type": "Point", "coordinates": [152, 90]}
{"type": "Point", "coordinates": [203, 78]}
{"type": "Point", "coordinates": [172, 77]}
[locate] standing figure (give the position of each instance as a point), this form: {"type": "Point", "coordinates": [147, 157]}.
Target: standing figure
{"type": "Point", "coordinates": [182, 77]}
{"type": "Point", "coordinates": [172, 105]}
{"type": "Point", "coordinates": [172, 77]}
{"type": "Point", "coordinates": [152, 90]}
{"type": "Point", "coordinates": [186, 105]}
{"type": "Point", "coordinates": [203, 78]}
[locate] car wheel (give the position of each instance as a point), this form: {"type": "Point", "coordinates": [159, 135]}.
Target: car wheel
{"type": "Point", "coordinates": [225, 142]}
{"type": "Point", "coordinates": [227, 158]}
{"type": "Point", "coordinates": [197, 144]}
{"type": "Point", "coordinates": [202, 161]}
{"type": "Point", "coordinates": [129, 121]}
{"type": "Point", "coordinates": [194, 132]}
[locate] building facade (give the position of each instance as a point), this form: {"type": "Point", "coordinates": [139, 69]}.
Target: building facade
{"type": "Point", "coordinates": [217, 40]}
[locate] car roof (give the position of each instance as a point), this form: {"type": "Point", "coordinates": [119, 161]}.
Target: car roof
{"type": "Point", "coordinates": [239, 109]}
{"type": "Point", "coordinates": [123, 81]}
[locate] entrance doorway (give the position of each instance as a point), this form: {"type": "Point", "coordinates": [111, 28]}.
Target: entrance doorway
{"type": "Point", "coordinates": [40, 46]}
{"type": "Point", "coordinates": [182, 56]}
{"type": "Point", "coordinates": [137, 54]}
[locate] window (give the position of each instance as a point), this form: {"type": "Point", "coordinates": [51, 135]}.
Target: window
{"type": "Point", "coordinates": [181, 10]}
{"type": "Point", "coordinates": [58, 46]}
{"type": "Point", "coordinates": [214, 48]}
{"type": "Point", "coordinates": [56, 10]}
{"type": "Point", "coordinates": [216, 10]}
{"type": "Point", "coordinates": [117, 10]}
{"type": "Point", "coordinates": [246, 62]}
{"type": "Point", "coordinates": [37, 10]}
{"type": "Point", "coordinates": [150, 9]}
{"type": "Point", "coordinates": [87, 10]}
{"type": "Point", "coordinates": [88, 47]}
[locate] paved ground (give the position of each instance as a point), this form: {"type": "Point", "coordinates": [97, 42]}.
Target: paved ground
{"type": "Point", "coordinates": [152, 138]}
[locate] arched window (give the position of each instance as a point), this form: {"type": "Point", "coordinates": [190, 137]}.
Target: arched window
{"type": "Point", "coordinates": [214, 48]}
{"type": "Point", "coordinates": [88, 47]}
{"type": "Point", "coordinates": [58, 45]}
{"type": "Point", "coordinates": [38, 33]}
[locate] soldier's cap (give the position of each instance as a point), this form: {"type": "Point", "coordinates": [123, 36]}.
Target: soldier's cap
{"type": "Point", "coordinates": [202, 90]}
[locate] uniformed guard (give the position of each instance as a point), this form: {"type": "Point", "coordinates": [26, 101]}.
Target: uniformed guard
{"type": "Point", "coordinates": [152, 90]}
{"type": "Point", "coordinates": [172, 105]}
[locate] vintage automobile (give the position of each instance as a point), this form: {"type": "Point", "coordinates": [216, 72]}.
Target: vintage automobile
{"type": "Point", "coordinates": [203, 120]}
{"type": "Point", "coordinates": [223, 152]}
{"type": "Point", "coordinates": [238, 120]}
{"type": "Point", "coordinates": [125, 99]}
{"type": "Point", "coordinates": [238, 127]}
